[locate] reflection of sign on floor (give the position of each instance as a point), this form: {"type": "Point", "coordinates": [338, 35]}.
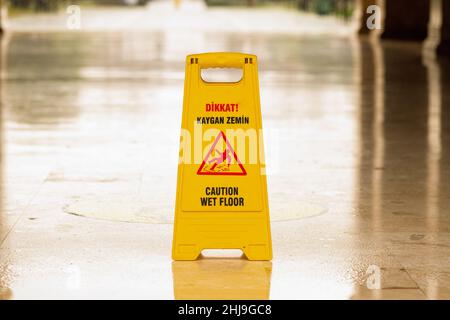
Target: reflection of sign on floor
{"type": "Point", "coordinates": [221, 279]}
{"type": "Point", "coordinates": [221, 159]}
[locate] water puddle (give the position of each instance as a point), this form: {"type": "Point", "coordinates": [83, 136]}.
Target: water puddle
{"type": "Point", "coordinates": [5, 294]}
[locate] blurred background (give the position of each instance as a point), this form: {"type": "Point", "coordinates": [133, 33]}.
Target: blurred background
{"type": "Point", "coordinates": [343, 7]}
{"type": "Point", "coordinates": [355, 106]}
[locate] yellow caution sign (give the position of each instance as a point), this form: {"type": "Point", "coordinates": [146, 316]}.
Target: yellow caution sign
{"type": "Point", "coordinates": [221, 200]}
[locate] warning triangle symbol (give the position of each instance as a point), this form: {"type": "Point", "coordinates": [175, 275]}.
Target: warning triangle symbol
{"type": "Point", "coordinates": [221, 159]}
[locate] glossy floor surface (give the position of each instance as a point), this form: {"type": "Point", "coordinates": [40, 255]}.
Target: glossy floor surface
{"type": "Point", "coordinates": [357, 146]}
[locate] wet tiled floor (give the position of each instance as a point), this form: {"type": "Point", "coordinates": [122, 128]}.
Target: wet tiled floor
{"type": "Point", "coordinates": [357, 147]}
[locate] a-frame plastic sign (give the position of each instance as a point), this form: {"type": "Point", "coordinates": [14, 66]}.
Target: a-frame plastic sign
{"type": "Point", "coordinates": [221, 200]}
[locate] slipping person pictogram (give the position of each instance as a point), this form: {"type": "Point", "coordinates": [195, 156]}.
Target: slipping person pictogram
{"type": "Point", "coordinates": [222, 164]}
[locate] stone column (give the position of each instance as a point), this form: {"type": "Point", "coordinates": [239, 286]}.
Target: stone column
{"type": "Point", "coordinates": [361, 15]}
{"type": "Point", "coordinates": [444, 46]}
{"type": "Point", "coordinates": [405, 19]}
{"type": "Point", "coordinates": [1, 16]}
{"type": "Point", "coordinates": [438, 41]}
